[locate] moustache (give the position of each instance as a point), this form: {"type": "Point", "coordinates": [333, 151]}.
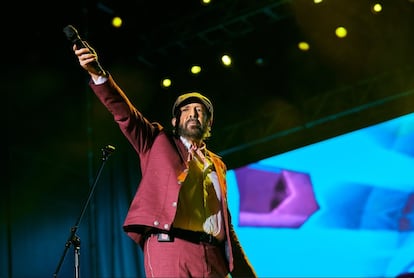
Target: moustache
{"type": "Point", "coordinates": [192, 121]}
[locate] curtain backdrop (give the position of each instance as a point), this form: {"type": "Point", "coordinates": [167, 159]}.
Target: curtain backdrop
{"type": "Point", "coordinates": [43, 197]}
{"type": "Point", "coordinates": [52, 157]}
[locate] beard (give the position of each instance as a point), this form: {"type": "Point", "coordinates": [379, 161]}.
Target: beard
{"type": "Point", "coordinates": [192, 129]}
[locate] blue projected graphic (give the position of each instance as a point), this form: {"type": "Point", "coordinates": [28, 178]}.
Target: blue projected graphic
{"type": "Point", "coordinates": [355, 196]}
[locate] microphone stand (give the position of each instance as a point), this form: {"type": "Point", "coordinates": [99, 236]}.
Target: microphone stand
{"type": "Point", "coordinates": [73, 237]}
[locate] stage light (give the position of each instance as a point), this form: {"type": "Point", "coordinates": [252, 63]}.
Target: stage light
{"type": "Point", "coordinates": [166, 83]}
{"type": "Point", "coordinates": [226, 60]}
{"type": "Point", "coordinates": [195, 69]}
{"type": "Point", "coordinates": [205, 2]}
{"type": "Point", "coordinates": [304, 46]}
{"type": "Point", "coordinates": [341, 32]}
{"type": "Point", "coordinates": [116, 22]}
{"type": "Point", "coordinates": [376, 8]}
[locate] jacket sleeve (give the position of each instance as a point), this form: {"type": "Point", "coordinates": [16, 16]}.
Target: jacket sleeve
{"type": "Point", "coordinates": [242, 266]}
{"type": "Point", "coordinates": [136, 128]}
{"type": "Point", "coordinates": [239, 264]}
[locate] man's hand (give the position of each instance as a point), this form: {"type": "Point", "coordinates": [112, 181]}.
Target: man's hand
{"type": "Point", "coordinates": [88, 59]}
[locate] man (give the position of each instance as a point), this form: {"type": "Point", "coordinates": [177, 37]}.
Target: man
{"type": "Point", "coordinates": [179, 215]}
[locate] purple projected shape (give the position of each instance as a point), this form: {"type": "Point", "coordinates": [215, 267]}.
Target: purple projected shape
{"type": "Point", "coordinates": [274, 197]}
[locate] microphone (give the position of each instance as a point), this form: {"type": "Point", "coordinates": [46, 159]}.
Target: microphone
{"type": "Point", "coordinates": [109, 148]}
{"type": "Point", "coordinates": [107, 151]}
{"type": "Point", "coordinates": [73, 36]}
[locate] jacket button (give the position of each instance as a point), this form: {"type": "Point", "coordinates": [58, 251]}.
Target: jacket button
{"type": "Point", "coordinates": [174, 204]}
{"type": "Point", "coordinates": [156, 223]}
{"type": "Point", "coordinates": [166, 226]}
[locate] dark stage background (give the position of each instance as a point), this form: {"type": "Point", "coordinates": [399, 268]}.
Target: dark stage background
{"type": "Point", "coordinates": [56, 128]}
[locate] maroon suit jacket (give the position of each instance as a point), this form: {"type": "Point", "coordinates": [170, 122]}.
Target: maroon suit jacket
{"type": "Point", "coordinates": [163, 165]}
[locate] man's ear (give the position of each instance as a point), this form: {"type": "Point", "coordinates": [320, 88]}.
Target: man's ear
{"type": "Point", "coordinates": [173, 121]}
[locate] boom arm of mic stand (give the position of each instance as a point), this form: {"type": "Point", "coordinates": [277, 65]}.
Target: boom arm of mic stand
{"type": "Point", "coordinates": [73, 238]}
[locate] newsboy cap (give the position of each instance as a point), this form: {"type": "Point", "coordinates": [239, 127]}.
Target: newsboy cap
{"type": "Point", "coordinates": [190, 98]}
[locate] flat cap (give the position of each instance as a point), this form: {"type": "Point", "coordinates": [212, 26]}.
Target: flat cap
{"type": "Point", "coordinates": [190, 98]}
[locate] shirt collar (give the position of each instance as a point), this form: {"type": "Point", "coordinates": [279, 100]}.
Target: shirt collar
{"type": "Point", "coordinates": [187, 143]}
